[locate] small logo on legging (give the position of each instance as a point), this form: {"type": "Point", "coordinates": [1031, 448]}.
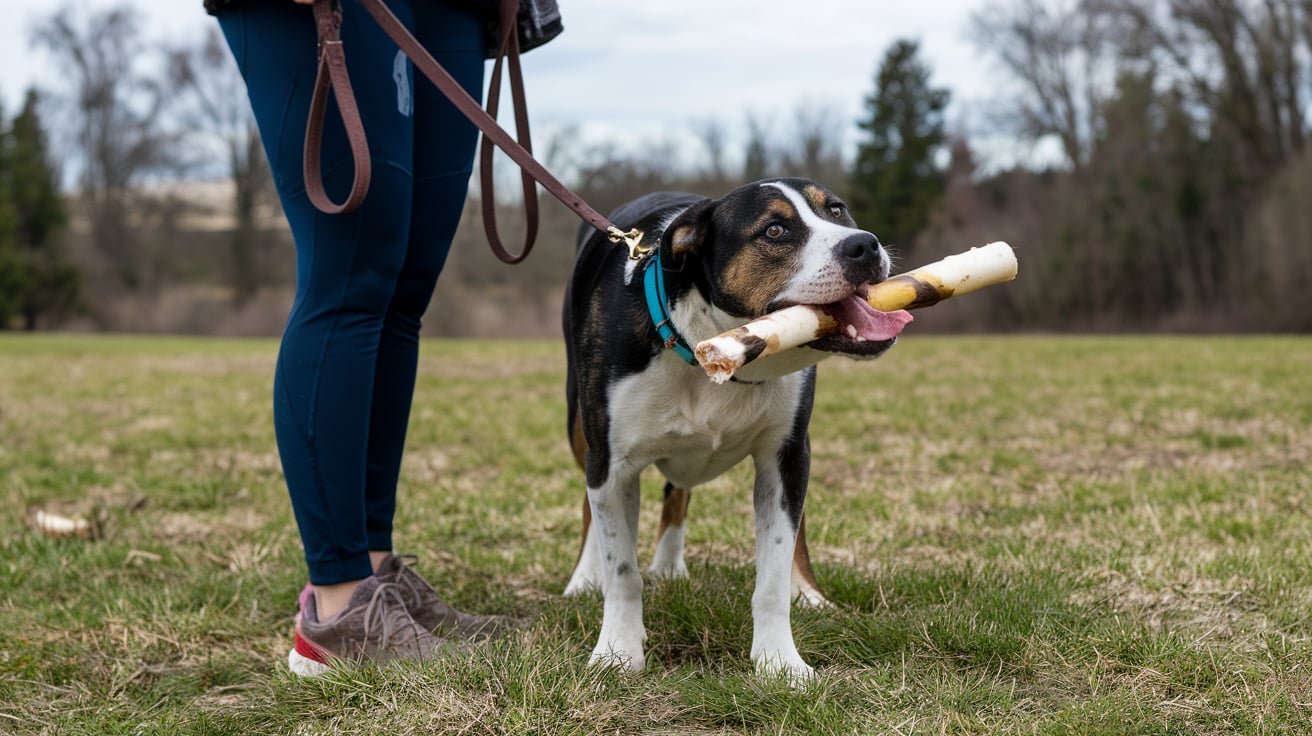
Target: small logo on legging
{"type": "Point", "coordinates": [401, 75]}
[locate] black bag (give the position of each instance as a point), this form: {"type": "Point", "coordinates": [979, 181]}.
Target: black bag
{"type": "Point", "coordinates": [537, 22]}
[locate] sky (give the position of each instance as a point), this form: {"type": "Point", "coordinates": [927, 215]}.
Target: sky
{"type": "Point", "coordinates": [645, 72]}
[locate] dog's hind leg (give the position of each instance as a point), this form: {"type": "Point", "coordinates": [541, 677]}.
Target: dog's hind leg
{"type": "Point", "coordinates": [587, 571]}
{"type": "Point", "coordinates": [806, 591]}
{"type": "Point", "coordinates": [668, 560]}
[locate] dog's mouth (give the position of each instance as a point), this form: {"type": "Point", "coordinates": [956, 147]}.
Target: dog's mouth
{"type": "Point", "coordinates": [863, 331]}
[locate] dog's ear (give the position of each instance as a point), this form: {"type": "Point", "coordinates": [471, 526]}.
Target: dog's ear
{"type": "Point", "coordinates": [686, 234]}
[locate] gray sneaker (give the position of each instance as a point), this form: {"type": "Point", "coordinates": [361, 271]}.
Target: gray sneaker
{"type": "Point", "coordinates": [374, 626]}
{"type": "Point", "coordinates": [433, 613]}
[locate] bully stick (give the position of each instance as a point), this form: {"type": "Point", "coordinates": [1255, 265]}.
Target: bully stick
{"type": "Point", "coordinates": [788, 328]}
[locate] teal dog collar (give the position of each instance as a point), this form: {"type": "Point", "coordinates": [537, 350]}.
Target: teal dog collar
{"type": "Point", "coordinates": [653, 282]}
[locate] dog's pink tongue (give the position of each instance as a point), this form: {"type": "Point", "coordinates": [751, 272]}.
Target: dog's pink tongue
{"type": "Point", "coordinates": [872, 324]}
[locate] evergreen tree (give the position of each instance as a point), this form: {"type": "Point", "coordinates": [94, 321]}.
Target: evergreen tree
{"type": "Point", "coordinates": [39, 281]}
{"type": "Point", "coordinates": [35, 191]}
{"type": "Point", "coordinates": [896, 181]}
{"type": "Point", "coordinates": [12, 275]}
{"type": "Point", "coordinates": [756, 158]}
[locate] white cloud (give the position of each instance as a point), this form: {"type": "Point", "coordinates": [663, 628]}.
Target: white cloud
{"type": "Point", "coordinates": [644, 69]}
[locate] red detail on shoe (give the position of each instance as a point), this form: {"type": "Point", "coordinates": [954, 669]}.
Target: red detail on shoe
{"type": "Point", "coordinates": [309, 650]}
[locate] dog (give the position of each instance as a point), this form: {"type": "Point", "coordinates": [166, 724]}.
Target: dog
{"type": "Point", "coordinates": [637, 398]}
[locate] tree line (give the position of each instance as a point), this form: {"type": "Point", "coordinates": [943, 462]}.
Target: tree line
{"type": "Point", "coordinates": [1181, 199]}
{"type": "Point", "coordinates": [1174, 199]}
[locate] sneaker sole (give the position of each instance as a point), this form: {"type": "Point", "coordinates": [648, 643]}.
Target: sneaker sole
{"type": "Point", "coordinates": [303, 666]}
{"type": "Point", "coordinates": [305, 659]}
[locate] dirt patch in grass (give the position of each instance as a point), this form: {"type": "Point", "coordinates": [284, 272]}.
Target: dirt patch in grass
{"type": "Point", "coordinates": [1210, 612]}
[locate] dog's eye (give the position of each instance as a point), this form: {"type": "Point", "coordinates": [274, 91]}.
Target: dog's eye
{"type": "Point", "coordinates": [775, 231]}
{"type": "Point", "coordinates": [836, 210]}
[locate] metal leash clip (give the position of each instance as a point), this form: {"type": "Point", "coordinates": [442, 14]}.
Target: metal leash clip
{"type": "Point", "coordinates": [632, 240]}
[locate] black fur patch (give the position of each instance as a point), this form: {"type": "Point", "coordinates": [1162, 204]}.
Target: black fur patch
{"type": "Point", "coordinates": [795, 455]}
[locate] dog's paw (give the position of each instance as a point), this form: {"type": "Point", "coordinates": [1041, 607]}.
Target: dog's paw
{"type": "Point", "coordinates": [798, 673]}
{"type": "Point", "coordinates": [579, 585]}
{"type": "Point", "coordinates": [668, 570]}
{"type": "Point", "coordinates": [621, 646]}
{"type": "Point", "coordinates": [808, 597]}
{"type": "Point", "coordinates": [625, 661]}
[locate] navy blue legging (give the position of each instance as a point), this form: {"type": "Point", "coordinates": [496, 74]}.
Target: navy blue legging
{"type": "Point", "coordinates": [346, 368]}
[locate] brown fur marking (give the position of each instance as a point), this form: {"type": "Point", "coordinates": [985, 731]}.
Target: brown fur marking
{"type": "Point", "coordinates": [754, 278]}
{"type": "Point", "coordinates": [683, 240]}
{"type": "Point", "coordinates": [816, 197]}
{"type": "Point", "coordinates": [802, 558]}
{"type": "Point", "coordinates": [577, 442]}
{"type": "Point", "coordinates": [778, 209]}
{"type": "Point", "coordinates": [587, 522]}
{"type": "Point", "coordinates": [674, 511]}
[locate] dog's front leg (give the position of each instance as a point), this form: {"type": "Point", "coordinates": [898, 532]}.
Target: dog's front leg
{"type": "Point", "coordinates": [615, 518]}
{"type": "Point", "coordinates": [780, 491]}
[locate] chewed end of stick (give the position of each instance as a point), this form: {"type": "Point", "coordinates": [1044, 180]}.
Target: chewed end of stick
{"type": "Point", "coordinates": [721, 356]}
{"type": "Point", "coordinates": [719, 372]}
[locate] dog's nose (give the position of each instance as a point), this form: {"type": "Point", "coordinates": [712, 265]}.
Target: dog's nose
{"type": "Point", "coordinates": [861, 249]}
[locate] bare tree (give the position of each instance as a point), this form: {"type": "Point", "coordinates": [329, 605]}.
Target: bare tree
{"type": "Point", "coordinates": [713, 137]}
{"type": "Point", "coordinates": [116, 118]}
{"type": "Point", "coordinates": [758, 155]}
{"type": "Point", "coordinates": [1055, 51]}
{"type": "Point", "coordinates": [1245, 62]}
{"type": "Point", "coordinates": [215, 110]}
{"type": "Point", "coordinates": [610, 175]}
{"type": "Point", "coordinates": [818, 149]}
{"type": "Point", "coordinates": [561, 150]}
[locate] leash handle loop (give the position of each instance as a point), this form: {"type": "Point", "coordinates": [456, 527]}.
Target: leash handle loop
{"type": "Point", "coordinates": [332, 71]}
{"type": "Point", "coordinates": [508, 52]}
{"type": "Point", "coordinates": [332, 77]}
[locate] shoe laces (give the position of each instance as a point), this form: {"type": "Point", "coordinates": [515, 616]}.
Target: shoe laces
{"type": "Point", "coordinates": [413, 585]}
{"type": "Point", "coordinates": [386, 611]}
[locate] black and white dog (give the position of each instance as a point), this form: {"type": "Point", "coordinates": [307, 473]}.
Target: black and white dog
{"type": "Point", "coordinates": [637, 398]}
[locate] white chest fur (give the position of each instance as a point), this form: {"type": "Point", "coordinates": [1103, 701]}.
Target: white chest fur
{"type": "Point", "coordinates": [692, 429]}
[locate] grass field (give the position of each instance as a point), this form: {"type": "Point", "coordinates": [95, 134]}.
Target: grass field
{"type": "Point", "coordinates": [1025, 535]}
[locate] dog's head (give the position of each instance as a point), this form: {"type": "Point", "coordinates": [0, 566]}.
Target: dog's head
{"type": "Point", "coordinates": [780, 242]}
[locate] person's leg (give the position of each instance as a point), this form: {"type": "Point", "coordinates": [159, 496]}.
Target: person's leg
{"type": "Point", "coordinates": [443, 159]}
{"type": "Point", "coordinates": [346, 272]}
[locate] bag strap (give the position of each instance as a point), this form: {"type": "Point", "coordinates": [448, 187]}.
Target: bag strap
{"type": "Point", "coordinates": [485, 120]}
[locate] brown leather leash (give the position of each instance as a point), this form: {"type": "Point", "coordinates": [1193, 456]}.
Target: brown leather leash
{"type": "Point", "coordinates": [332, 75]}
